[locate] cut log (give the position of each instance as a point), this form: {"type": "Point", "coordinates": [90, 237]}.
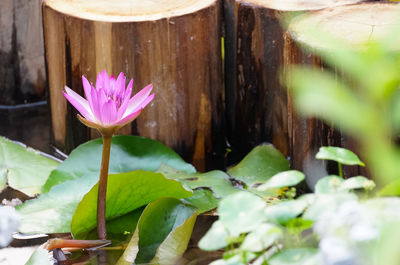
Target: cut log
{"type": "Point", "coordinates": [174, 44]}
{"type": "Point", "coordinates": [355, 24]}
{"type": "Point", "coordinates": [22, 69]}
{"type": "Point", "coordinates": [254, 45]}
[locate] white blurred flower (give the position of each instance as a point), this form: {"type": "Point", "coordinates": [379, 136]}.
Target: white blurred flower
{"type": "Point", "coordinates": [335, 251]}
{"type": "Point", "coordinates": [9, 222]}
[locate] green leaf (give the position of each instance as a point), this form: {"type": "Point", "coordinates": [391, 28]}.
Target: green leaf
{"type": "Point", "coordinates": [215, 238]}
{"type": "Point", "coordinates": [335, 184]}
{"type": "Point", "coordinates": [241, 212]}
{"type": "Point", "coordinates": [261, 238]}
{"type": "Point", "coordinates": [120, 228]}
{"type": "Point", "coordinates": [299, 256]}
{"type": "Point", "coordinates": [338, 154]}
{"type": "Point", "coordinates": [320, 94]}
{"type": "Point", "coordinates": [125, 193]}
{"type": "Point", "coordinates": [238, 258]}
{"type": "Point", "coordinates": [3, 178]}
{"type": "Point", "coordinates": [215, 180]}
{"type": "Point", "coordinates": [263, 162]}
{"type": "Point", "coordinates": [203, 200]}
{"type": "Point", "coordinates": [52, 212]}
{"type": "Point", "coordinates": [329, 184]}
{"type": "Point", "coordinates": [124, 223]}
{"type": "Point", "coordinates": [358, 182]}
{"type": "Point", "coordinates": [391, 189]}
{"type": "Point", "coordinates": [284, 211]}
{"type": "Point", "coordinates": [163, 232]}
{"type": "Point", "coordinates": [24, 169]}
{"type": "Point", "coordinates": [40, 257]}
{"type": "Point", "coordinates": [283, 179]}
{"type": "Point", "coordinates": [128, 153]}
{"type": "Point", "coordinates": [175, 244]}
{"type": "Point", "coordinates": [298, 225]}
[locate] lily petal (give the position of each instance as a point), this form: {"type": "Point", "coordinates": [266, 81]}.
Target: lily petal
{"type": "Point", "coordinates": [124, 104]}
{"type": "Point", "coordinates": [120, 85]}
{"type": "Point", "coordinates": [99, 81]}
{"type": "Point", "coordinates": [78, 102]}
{"type": "Point", "coordinates": [147, 101]}
{"type": "Point", "coordinates": [96, 108]}
{"type": "Point", "coordinates": [136, 101]}
{"type": "Point", "coordinates": [128, 118]}
{"type": "Point", "coordinates": [109, 113]}
{"type": "Point", "coordinates": [130, 85]}
{"type": "Point", "coordinates": [88, 91]}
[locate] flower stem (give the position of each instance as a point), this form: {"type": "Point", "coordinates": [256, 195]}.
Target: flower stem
{"type": "Point", "coordinates": [340, 170]}
{"type": "Point", "coordinates": [101, 199]}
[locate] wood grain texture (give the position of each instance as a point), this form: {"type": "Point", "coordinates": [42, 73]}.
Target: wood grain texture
{"type": "Point", "coordinates": [179, 54]}
{"type": "Point", "coordinates": [22, 69]}
{"type": "Point", "coordinates": [306, 135]}
{"type": "Point", "coordinates": [355, 24]}
{"type": "Point", "coordinates": [257, 104]}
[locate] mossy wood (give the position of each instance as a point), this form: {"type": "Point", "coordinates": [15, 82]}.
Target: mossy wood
{"type": "Point", "coordinates": [355, 24]}
{"type": "Point", "coordinates": [257, 104]}
{"type": "Point", "coordinates": [173, 44]}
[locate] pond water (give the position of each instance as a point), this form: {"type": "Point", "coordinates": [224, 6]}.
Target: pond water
{"type": "Point", "coordinates": [26, 244]}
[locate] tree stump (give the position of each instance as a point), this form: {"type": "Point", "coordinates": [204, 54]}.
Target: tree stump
{"type": "Point", "coordinates": [173, 44]}
{"type": "Point", "coordinates": [22, 68]}
{"type": "Point", "coordinates": [355, 24]}
{"type": "Point", "coordinates": [254, 47]}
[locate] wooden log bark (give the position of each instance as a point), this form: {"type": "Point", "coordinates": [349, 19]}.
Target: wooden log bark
{"type": "Point", "coordinates": [355, 24]}
{"type": "Point", "coordinates": [173, 44]}
{"type": "Point", "coordinates": [257, 104]}
{"type": "Point", "coordinates": [22, 70]}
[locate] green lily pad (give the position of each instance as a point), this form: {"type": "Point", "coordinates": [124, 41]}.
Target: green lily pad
{"type": "Point", "coordinates": [215, 238]}
{"type": "Point", "coordinates": [24, 169]}
{"type": "Point", "coordinates": [173, 247]}
{"type": "Point", "coordinates": [216, 180]}
{"type": "Point", "coordinates": [162, 233]}
{"type": "Point", "coordinates": [340, 155]}
{"type": "Point", "coordinates": [263, 162]}
{"type": "Point", "coordinates": [3, 178]}
{"type": "Point", "coordinates": [125, 193]}
{"type": "Point", "coordinates": [120, 228]}
{"type": "Point", "coordinates": [261, 238]}
{"type": "Point", "coordinates": [329, 184]}
{"type": "Point", "coordinates": [241, 212]}
{"type": "Point", "coordinates": [298, 256]}
{"type": "Point", "coordinates": [324, 203]}
{"type": "Point", "coordinates": [52, 212]}
{"type": "Point", "coordinates": [128, 153]}
{"type": "Point", "coordinates": [40, 257]}
{"type": "Point", "coordinates": [283, 179]}
{"type": "Point", "coordinates": [358, 182]}
{"type": "Point", "coordinates": [203, 199]}
{"type": "Point", "coordinates": [284, 211]}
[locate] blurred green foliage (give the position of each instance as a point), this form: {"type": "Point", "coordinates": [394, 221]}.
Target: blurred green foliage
{"type": "Point", "coordinates": [359, 92]}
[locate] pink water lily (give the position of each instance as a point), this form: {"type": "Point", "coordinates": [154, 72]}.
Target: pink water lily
{"type": "Point", "coordinates": [108, 105]}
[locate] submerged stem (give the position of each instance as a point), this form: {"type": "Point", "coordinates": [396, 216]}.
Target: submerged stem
{"type": "Point", "coordinates": [101, 199]}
